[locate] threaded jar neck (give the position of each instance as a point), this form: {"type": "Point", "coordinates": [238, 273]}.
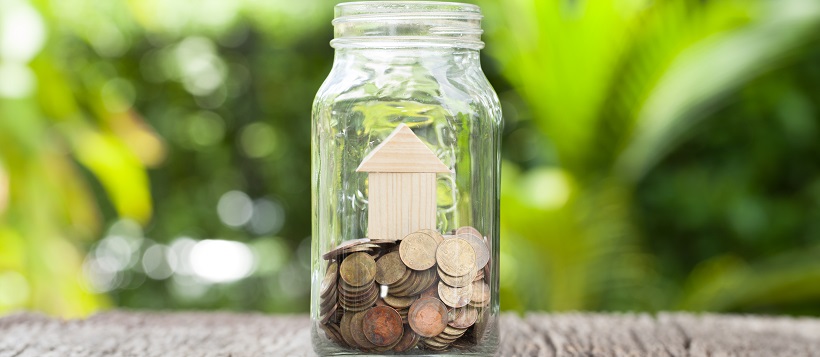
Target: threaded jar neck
{"type": "Point", "coordinates": [407, 24]}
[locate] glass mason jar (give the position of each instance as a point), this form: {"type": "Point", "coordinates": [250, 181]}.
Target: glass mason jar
{"type": "Point", "coordinates": [406, 137]}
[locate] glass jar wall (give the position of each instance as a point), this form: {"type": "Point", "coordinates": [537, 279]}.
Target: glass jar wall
{"type": "Point", "coordinates": [406, 135]}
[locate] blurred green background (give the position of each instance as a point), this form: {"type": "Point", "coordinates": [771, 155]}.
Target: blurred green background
{"type": "Point", "coordinates": [658, 155]}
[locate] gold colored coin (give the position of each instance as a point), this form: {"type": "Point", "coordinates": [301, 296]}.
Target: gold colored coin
{"type": "Point", "coordinates": [349, 296]}
{"type": "Point", "coordinates": [339, 250]}
{"type": "Point", "coordinates": [418, 251]}
{"type": "Point", "coordinates": [346, 289]}
{"type": "Point", "coordinates": [428, 278]}
{"type": "Point", "coordinates": [457, 281]}
{"type": "Point", "coordinates": [326, 315]}
{"type": "Point", "coordinates": [431, 291]}
{"type": "Point", "coordinates": [482, 253]}
{"type": "Point", "coordinates": [329, 281]}
{"type": "Point", "coordinates": [433, 233]}
{"type": "Point", "coordinates": [481, 293]}
{"type": "Point", "coordinates": [443, 339]}
{"type": "Point", "coordinates": [358, 269]}
{"type": "Point", "coordinates": [430, 342]}
{"type": "Point", "coordinates": [463, 318]}
{"type": "Point", "coordinates": [390, 269]}
{"type": "Point", "coordinates": [454, 297]}
{"type": "Point", "coordinates": [455, 257]}
{"type": "Point", "coordinates": [399, 302]}
{"type": "Point", "coordinates": [345, 330]}
{"type": "Point", "coordinates": [453, 332]}
{"type": "Point", "coordinates": [408, 273]}
{"type": "Point", "coordinates": [332, 333]}
{"type": "Point", "coordinates": [468, 230]}
{"type": "Point", "coordinates": [479, 275]}
{"type": "Point", "coordinates": [482, 324]}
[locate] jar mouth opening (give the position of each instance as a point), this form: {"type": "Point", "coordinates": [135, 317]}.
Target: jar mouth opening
{"type": "Point", "coordinates": [396, 24]}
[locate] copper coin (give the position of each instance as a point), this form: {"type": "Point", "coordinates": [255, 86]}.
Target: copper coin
{"type": "Point", "coordinates": [427, 317]}
{"type": "Point", "coordinates": [389, 269]}
{"type": "Point", "coordinates": [329, 281]}
{"type": "Point", "coordinates": [431, 291]}
{"type": "Point", "coordinates": [451, 332]}
{"type": "Point", "coordinates": [433, 233]}
{"type": "Point", "coordinates": [482, 252]}
{"type": "Point", "coordinates": [399, 302]}
{"type": "Point", "coordinates": [444, 339]}
{"type": "Point", "coordinates": [357, 291]}
{"type": "Point", "coordinates": [332, 334]}
{"type": "Point", "coordinates": [344, 245]}
{"type": "Point", "coordinates": [358, 269]}
{"type": "Point", "coordinates": [348, 289]}
{"type": "Point", "coordinates": [454, 297]}
{"type": "Point", "coordinates": [326, 315]}
{"type": "Point", "coordinates": [428, 278]}
{"type": "Point", "coordinates": [408, 340]}
{"type": "Point", "coordinates": [455, 257]}
{"type": "Point", "coordinates": [464, 317]}
{"type": "Point", "coordinates": [418, 251]}
{"type": "Point", "coordinates": [408, 273]}
{"type": "Point", "coordinates": [402, 288]}
{"type": "Point", "coordinates": [326, 312]}
{"type": "Point", "coordinates": [356, 331]}
{"type": "Point", "coordinates": [429, 342]}
{"type": "Point", "coordinates": [344, 329]}
{"type": "Point", "coordinates": [481, 293]}
{"type": "Point", "coordinates": [382, 326]}
{"type": "Point", "coordinates": [359, 304]}
{"type": "Point", "coordinates": [468, 230]}
{"type": "Point", "coordinates": [336, 317]}
{"type": "Point", "coordinates": [328, 301]}
{"type": "Point", "coordinates": [457, 281]}
{"type": "Point", "coordinates": [482, 324]}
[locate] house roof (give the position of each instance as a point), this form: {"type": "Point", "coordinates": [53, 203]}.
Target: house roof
{"type": "Point", "coordinates": [402, 151]}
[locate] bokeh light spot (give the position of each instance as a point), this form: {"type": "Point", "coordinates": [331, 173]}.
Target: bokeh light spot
{"type": "Point", "coordinates": [268, 217]}
{"type": "Point", "coordinates": [546, 188]}
{"type": "Point", "coordinates": [14, 289]}
{"type": "Point", "coordinates": [221, 261]}
{"type": "Point", "coordinates": [156, 262]}
{"type": "Point", "coordinates": [16, 80]}
{"type": "Point", "coordinates": [234, 208]}
{"type": "Point", "coordinates": [22, 32]}
{"type": "Point", "coordinates": [258, 140]}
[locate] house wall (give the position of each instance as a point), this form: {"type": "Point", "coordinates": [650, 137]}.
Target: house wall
{"type": "Point", "coordinates": [400, 204]}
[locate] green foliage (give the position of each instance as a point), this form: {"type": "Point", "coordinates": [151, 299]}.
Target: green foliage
{"type": "Point", "coordinates": [618, 89]}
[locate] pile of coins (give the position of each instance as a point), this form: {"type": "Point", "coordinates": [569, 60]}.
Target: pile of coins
{"type": "Point", "coordinates": [426, 290]}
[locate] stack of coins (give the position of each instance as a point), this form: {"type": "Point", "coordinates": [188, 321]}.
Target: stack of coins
{"type": "Point", "coordinates": [425, 290]}
{"type": "Point", "coordinates": [357, 287]}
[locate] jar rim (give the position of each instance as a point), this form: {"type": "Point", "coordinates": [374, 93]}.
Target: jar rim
{"type": "Point", "coordinates": [351, 10]}
{"type": "Point", "coordinates": [389, 23]}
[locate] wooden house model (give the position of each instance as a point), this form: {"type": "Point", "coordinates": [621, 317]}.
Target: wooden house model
{"type": "Point", "coordinates": [401, 185]}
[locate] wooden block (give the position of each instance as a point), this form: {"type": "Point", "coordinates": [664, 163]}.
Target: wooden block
{"type": "Point", "coordinates": [401, 185]}
{"type": "Point", "coordinates": [402, 151]}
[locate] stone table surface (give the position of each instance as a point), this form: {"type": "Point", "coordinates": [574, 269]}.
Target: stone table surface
{"type": "Point", "coordinates": [128, 333]}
